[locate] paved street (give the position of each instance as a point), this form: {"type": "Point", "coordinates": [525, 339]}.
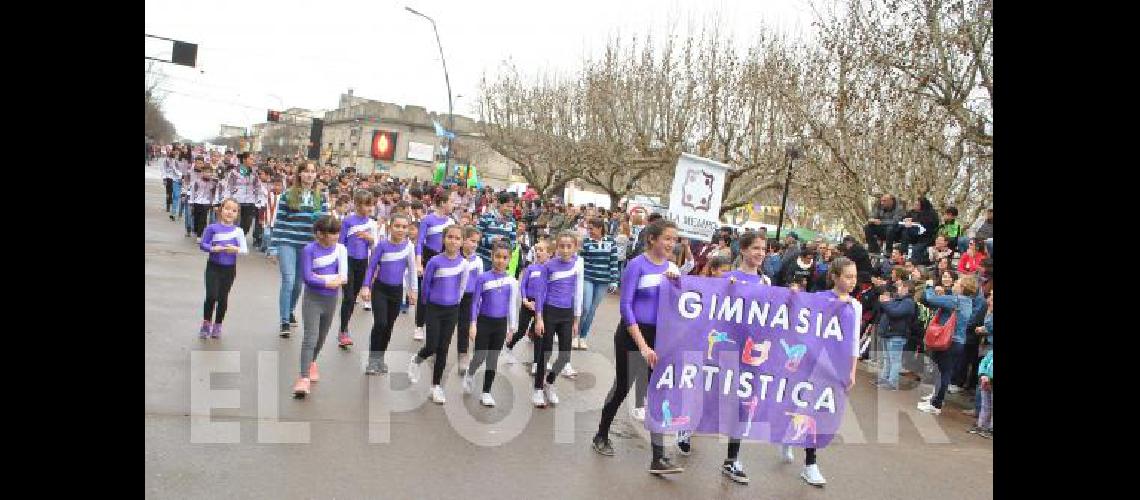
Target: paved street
{"type": "Point", "coordinates": [350, 446]}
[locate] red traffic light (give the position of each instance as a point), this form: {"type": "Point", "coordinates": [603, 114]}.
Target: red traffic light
{"type": "Point", "coordinates": [273, 116]}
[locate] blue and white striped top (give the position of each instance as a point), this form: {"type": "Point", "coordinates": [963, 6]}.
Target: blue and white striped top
{"type": "Point", "coordinates": [295, 227]}
{"type": "Point", "coordinates": [491, 228]}
{"type": "Point", "coordinates": [601, 260]}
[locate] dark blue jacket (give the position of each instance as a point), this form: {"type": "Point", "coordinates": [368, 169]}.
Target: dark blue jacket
{"type": "Point", "coordinates": [896, 318]}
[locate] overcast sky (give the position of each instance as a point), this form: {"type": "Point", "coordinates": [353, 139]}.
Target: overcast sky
{"type": "Point", "coordinates": [259, 54]}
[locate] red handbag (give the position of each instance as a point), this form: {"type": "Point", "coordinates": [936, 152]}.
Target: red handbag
{"type": "Point", "coordinates": [939, 335]}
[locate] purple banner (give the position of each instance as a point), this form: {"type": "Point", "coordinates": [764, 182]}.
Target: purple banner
{"type": "Point", "coordinates": [752, 362]}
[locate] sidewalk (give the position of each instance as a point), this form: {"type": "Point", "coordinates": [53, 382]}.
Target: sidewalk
{"type": "Point", "coordinates": [961, 401]}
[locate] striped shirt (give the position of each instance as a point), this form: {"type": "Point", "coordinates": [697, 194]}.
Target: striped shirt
{"type": "Point", "coordinates": [492, 228]}
{"type": "Point", "coordinates": [295, 227]}
{"type": "Point", "coordinates": [601, 260]}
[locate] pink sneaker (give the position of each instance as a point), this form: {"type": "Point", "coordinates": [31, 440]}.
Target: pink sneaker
{"type": "Point", "coordinates": [217, 332]}
{"type": "Point", "coordinates": [301, 388]}
{"type": "Point", "coordinates": [314, 375]}
{"type": "Point", "coordinates": [343, 339]}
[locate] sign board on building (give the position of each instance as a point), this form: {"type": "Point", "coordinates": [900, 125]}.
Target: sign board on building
{"type": "Point", "coordinates": [384, 145]}
{"type": "Point", "coordinates": [694, 201]}
{"type": "Point", "coordinates": [421, 152]}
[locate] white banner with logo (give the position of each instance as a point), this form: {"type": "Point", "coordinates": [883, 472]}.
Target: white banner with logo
{"type": "Point", "coordinates": [694, 201]}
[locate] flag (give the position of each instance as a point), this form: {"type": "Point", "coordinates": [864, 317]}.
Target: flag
{"type": "Point", "coordinates": [442, 132]}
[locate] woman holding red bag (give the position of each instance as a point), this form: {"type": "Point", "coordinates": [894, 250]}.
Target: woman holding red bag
{"type": "Point", "coordinates": [958, 304]}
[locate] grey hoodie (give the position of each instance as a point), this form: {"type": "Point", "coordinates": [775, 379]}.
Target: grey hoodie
{"type": "Point", "coordinates": [892, 216]}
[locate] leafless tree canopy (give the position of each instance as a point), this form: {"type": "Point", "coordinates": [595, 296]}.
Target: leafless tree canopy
{"type": "Point", "coordinates": [157, 126]}
{"type": "Point", "coordinates": [891, 96]}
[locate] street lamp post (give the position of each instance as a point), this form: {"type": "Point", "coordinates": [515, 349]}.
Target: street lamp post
{"type": "Point", "coordinates": [792, 152]}
{"type": "Point", "coordinates": [447, 80]}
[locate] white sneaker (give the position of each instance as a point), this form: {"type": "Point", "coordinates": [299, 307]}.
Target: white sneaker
{"type": "Point", "coordinates": [786, 454]}
{"type": "Point", "coordinates": [551, 396]}
{"type": "Point", "coordinates": [954, 389]}
{"type": "Point", "coordinates": [538, 399]}
{"type": "Point", "coordinates": [533, 369]}
{"type": "Point", "coordinates": [418, 334]}
{"type": "Point", "coordinates": [509, 356]}
{"type": "Point", "coordinates": [927, 397]}
{"type": "Point", "coordinates": [569, 372]}
{"type": "Point", "coordinates": [929, 408]}
{"type": "Point", "coordinates": [812, 476]}
{"type": "Point", "coordinates": [574, 344]}
{"type": "Point", "coordinates": [487, 400]}
{"type": "Point", "coordinates": [437, 396]}
{"type": "Point", "coordinates": [638, 414]}
{"type": "Point", "coordinates": [583, 345]}
{"type": "Point", "coordinates": [467, 384]}
{"type": "Point", "coordinates": [367, 306]}
{"type": "Point", "coordinates": [413, 370]}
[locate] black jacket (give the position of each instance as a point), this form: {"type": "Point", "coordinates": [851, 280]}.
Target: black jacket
{"type": "Point", "coordinates": [791, 271]}
{"type": "Point", "coordinates": [896, 317]}
{"type": "Point", "coordinates": [862, 259]}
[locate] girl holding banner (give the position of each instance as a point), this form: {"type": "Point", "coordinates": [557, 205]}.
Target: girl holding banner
{"type": "Point", "coordinates": [637, 331]}
{"type": "Point", "coordinates": [752, 252]}
{"type": "Point", "coordinates": [843, 275]}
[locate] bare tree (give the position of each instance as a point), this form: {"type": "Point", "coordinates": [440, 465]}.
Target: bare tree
{"type": "Point", "coordinates": [156, 125]}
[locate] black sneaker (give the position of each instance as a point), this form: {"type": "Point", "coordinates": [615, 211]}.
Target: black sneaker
{"type": "Point", "coordinates": [734, 471]}
{"type": "Point", "coordinates": [603, 447]}
{"type": "Point", "coordinates": [292, 319]}
{"type": "Point", "coordinates": [284, 330]}
{"type": "Point", "coordinates": [684, 442]}
{"type": "Point", "coordinates": [664, 466]}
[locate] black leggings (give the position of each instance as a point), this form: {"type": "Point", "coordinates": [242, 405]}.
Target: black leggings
{"type": "Point", "coordinates": [169, 184]}
{"type": "Point", "coordinates": [248, 213]}
{"type": "Point", "coordinates": [489, 336]}
{"type": "Point", "coordinates": [525, 316]}
{"type": "Point", "coordinates": [462, 342]}
{"type": "Point", "coordinates": [421, 304]}
{"type": "Point", "coordinates": [385, 309]}
{"type": "Point", "coordinates": [560, 321]}
{"type": "Point", "coordinates": [440, 325]}
{"type": "Point", "coordinates": [219, 280]}
{"type": "Point", "coordinates": [356, 270]}
{"type": "Point", "coordinates": [201, 214]}
{"type": "Point", "coordinates": [627, 359]}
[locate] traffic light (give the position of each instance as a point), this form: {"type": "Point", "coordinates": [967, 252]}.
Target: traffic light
{"type": "Point", "coordinates": [273, 116]}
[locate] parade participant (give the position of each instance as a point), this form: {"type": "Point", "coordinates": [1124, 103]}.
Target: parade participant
{"type": "Point", "coordinates": [557, 309]}
{"type": "Point", "coordinates": [324, 268]}
{"type": "Point", "coordinates": [475, 268]}
{"type": "Point", "coordinates": [600, 262]}
{"type": "Point", "coordinates": [169, 171]}
{"type": "Point", "coordinates": [428, 244]}
{"type": "Point", "coordinates": [242, 185]}
{"type": "Point", "coordinates": [529, 284]}
{"type": "Point", "coordinates": [844, 275]}
{"type": "Point", "coordinates": [188, 178]}
{"type": "Point", "coordinates": [222, 241]}
{"type": "Point", "coordinates": [445, 278]}
{"type": "Point", "coordinates": [637, 331]}
{"type": "Point", "coordinates": [358, 234]}
{"type": "Point", "coordinates": [494, 313]}
{"type": "Point", "coordinates": [752, 253]}
{"type": "Point", "coordinates": [297, 209]}
{"type": "Point", "coordinates": [203, 193]}
{"type": "Point", "coordinates": [391, 267]}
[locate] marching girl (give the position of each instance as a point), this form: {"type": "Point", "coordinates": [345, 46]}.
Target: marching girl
{"type": "Point", "coordinates": [471, 237]}
{"type": "Point", "coordinates": [203, 192]}
{"type": "Point", "coordinates": [529, 284]}
{"type": "Point", "coordinates": [494, 313]}
{"type": "Point", "coordinates": [297, 210]}
{"type": "Point", "coordinates": [223, 241]}
{"type": "Point", "coordinates": [188, 178]}
{"type": "Point", "coordinates": [843, 275]}
{"type": "Point", "coordinates": [324, 268]}
{"type": "Point", "coordinates": [358, 233]}
{"type": "Point", "coordinates": [634, 338]}
{"type": "Point", "coordinates": [752, 253]}
{"type": "Point", "coordinates": [429, 243]}
{"type": "Point", "coordinates": [391, 268]}
{"type": "Point", "coordinates": [557, 310]}
{"type": "Point", "coordinates": [445, 278]}
{"type": "Point", "coordinates": [244, 186]}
